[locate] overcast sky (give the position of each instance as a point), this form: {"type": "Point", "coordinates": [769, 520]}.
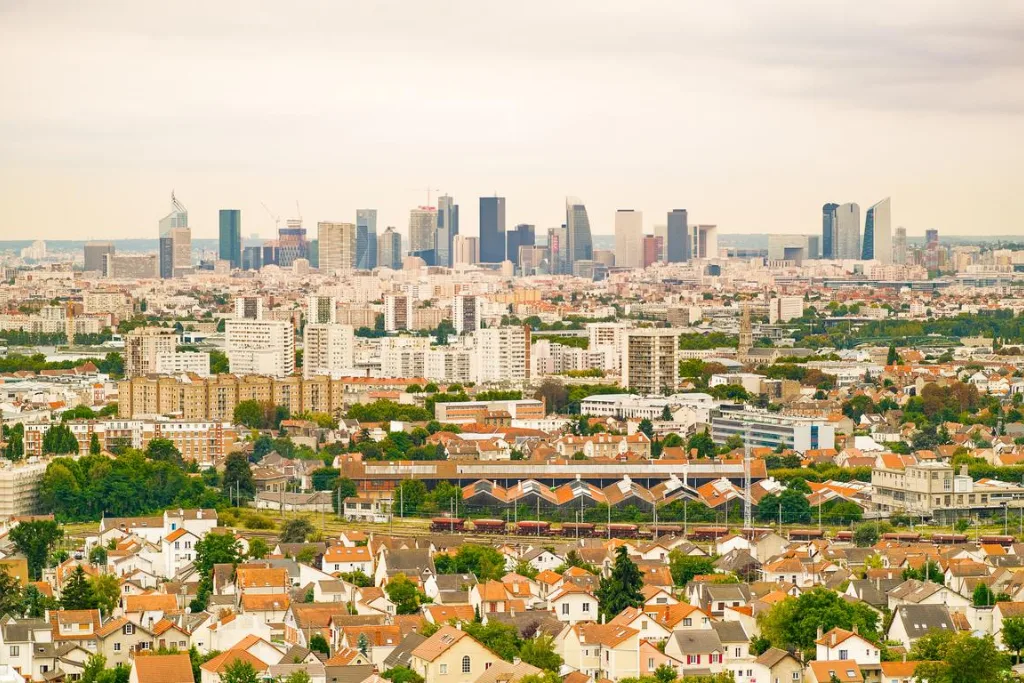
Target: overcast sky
{"type": "Point", "coordinates": [748, 114]}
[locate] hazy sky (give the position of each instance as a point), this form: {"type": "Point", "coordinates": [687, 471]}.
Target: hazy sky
{"type": "Point", "coordinates": [749, 114]}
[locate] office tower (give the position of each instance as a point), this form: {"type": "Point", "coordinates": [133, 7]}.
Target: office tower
{"type": "Point", "coordinates": [704, 243]}
{"type": "Point", "coordinates": [291, 243]}
{"type": "Point", "coordinates": [899, 246]}
{"type": "Point", "coordinates": [629, 234]}
{"type": "Point", "coordinates": [328, 349]}
{"type": "Point", "coordinates": [662, 232]}
{"type": "Point", "coordinates": [677, 240]}
{"type": "Point", "coordinates": [181, 238]}
{"type": "Point", "coordinates": [312, 255]}
{"type": "Point", "coordinates": [466, 313]}
{"type": "Point", "coordinates": [422, 229]}
{"type": "Point", "coordinates": [172, 226]}
{"type": "Point", "coordinates": [651, 250]}
{"type": "Point", "coordinates": [523, 235]}
{"type": "Point", "coordinates": [366, 239]}
{"type": "Point", "coordinates": [793, 249]}
{"type": "Point", "coordinates": [878, 232]}
{"type": "Point", "coordinates": [397, 312]}
{"type": "Point", "coordinates": [492, 229]}
{"type": "Point", "coordinates": [558, 249]}
{"type": "Point", "coordinates": [389, 249]}
{"type": "Point", "coordinates": [252, 258]}
{"type": "Point", "coordinates": [650, 360]}
{"type": "Point", "coordinates": [785, 308]}
{"type": "Point", "coordinates": [249, 308]}
{"type": "Point", "coordinates": [579, 243]}
{"type": "Point", "coordinates": [141, 347]}
{"type": "Point", "coordinates": [532, 260]}
{"type": "Point", "coordinates": [271, 252]}
{"type": "Point", "coordinates": [260, 347]}
{"type": "Point", "coordinates": [96, 256]}
{"type": "Point", "coordinates": [501, 354]}
{"type": "Point", "coordinates": [931, 238]}
{"type": "Point", "coordinates": [231, 236]}
{"type": "Point", "coordinates": [337, 246]}
{"type": "Point", "coordinates": [447, 229]}
{"type": "Point", "coordinates": [466, 250]}
{"type": "Point", "coordinates": [321, 309]}
{"type": "Point", "coordinates": [829, 225]}
{"type": "Point", "coordinates": [846, 244]}
{"type": "Point", "coordinates": [125, 267]}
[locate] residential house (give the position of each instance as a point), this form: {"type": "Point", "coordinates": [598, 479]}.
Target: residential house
{"type": "Point", "coordinates": [451, 656]}
{"type": "Point", "coordinates": [600, 650]}
{"type": "Point", "coordinates": [776, 666]}
{"type": "Point", "coordinates": [345, 560]}
{"type": "Point", "coordinates": [910, 622]}
{"type": "Point", "coordinates": [697, 651]}
{"type": "Point", "coordinates": [573, 604]}
{"type": "Point", "coordinates": [174, 668]}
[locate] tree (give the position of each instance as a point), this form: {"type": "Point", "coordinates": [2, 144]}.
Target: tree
{"type": "Point", "coordinates": [483, 561]}
{"type": "Point", "coordinates": [410, 494]}
{"type": "Point", "coordinates": [165, 450]}
{"type": "Point", "coordinates": [98, 555]}
{"type": "Point", "coordinates": [216, 548]}
{"type": "Point", "coordinates": [296, 530]}
{"type": "Point", "coordinates": [665, 674]}
{"type": "Point", "coordinates": [502, 639]}
{"type": "Point", "coordinates": [965, 659]}
{"type": "Point", "coordinates": [106, 592]}
{"type": "Point", "coordinates": [238, 481]}
{"type": "Point", "coordinates": [893, 358]}
{"type": "Point", "coordinates": [540, 652]}
{"type": "Point", "coordinates": [404, 594]}
{"type": "Point", "coordinates": [401, 674]}
{"type": "Point", "coordinates": [94, 444]}
{"type": "Point", "coordinates": [622, 588]}
{"type": "Point", "coordinates": [685, 567]}
{"type": "Point", "coordinates": [793, 622]}
{"type": "Point", "coordinates": [1013, 634]}
{"type": "Point", "coordinates": [324, 478]}
{"type": "Point", "coordinates": [35, 539]}
{"type": "Point", "coordinates": [36, 604]}
{"type": "Point", "coordinates": [865, 535]}
{"type": "Point", "coordinates": [983, 596]}
{"type": "Point", "coordinates": [554, 394]}
{"type": "Point", "coordinates": [76, 592]}
{"type": "Point", "coordinates": [647, 427]}
{"type": "Point", "coordinates": [12, 601]}
{"type": "Point", "coordinates": [793, 503]}
{"type": "Point", "coordinates": [60, 439]}
{"type": "Point", "coordinates": [702, 443]}
{"type": "Point", "coordinates": [319, 644]}
{"type": "Point", "coordinates": [666, 413]}
{"type": "Point", "coordinates": [93, 669]}
{"type": "Point", "coordinates": [299, 676]}
{"type": "Point", "coordinates": [241, 671]}
{"type": "Point", "coordinates": [258, 548]}
{"type": "Point", "coordinates": [15, 437]}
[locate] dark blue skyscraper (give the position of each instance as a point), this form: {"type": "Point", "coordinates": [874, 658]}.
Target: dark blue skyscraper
{"type": "Point", "coordinates": [678, 245]}
{"type": "Point", "coordinates": [524, 235]}
{"type": "Point", "coordinates": [231, 236]}
{"type": "Point", "coordinates": [579, 240]}
{"type": "Point", "coordinates": [828, 230]}
{"type": "Point", "coordinates": [492, 229]}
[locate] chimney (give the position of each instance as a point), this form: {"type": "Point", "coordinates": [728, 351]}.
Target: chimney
{"type": "Point", "coordinates": [855, 628]}
{"type": "Point", "coordinates": [820, 633]}
{"type": "Point", "coordinates": [458, 625]}
{"type": "Point", "coordinates": [833, 638]}
{"type": "Point", "coordinates": [199, 513]}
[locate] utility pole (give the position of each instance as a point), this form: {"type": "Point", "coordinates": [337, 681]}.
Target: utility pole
{"type": "Point", "coordinates": [747, 511]}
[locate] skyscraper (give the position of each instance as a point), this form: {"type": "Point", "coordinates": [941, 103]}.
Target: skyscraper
{"type": "Point", "coordinates": [899, 246]}
{"type": "Point", "coordinates": [629, 234]}
{"type": "Point", "coordinates": [492, 229]}
{"type": "Point", "coordinates": [558, 250]}
{"type": "Point", "coordinates": [524, 235]}
{"type": "Point", "coordinates": [389, 249]}
{"type": "Point", "coordinates": [292, 244]}
{"type": "Point", "coordinates": [422, 230]}
{"type": "Point", "coordinates": [677, 245]}
{"type": "Point", "coordinates": [465, 250]}
{"type": "Point", "coordinates": [705, 241]}
{"type": "Point", "coordinates": [171, 227]}
{"type": "Point", "coordinates": [846, 244]}
{"type": "Point", "coordinates": [447, 229]}
{"type": "Point", "coordinates": [828, 230]}
{"type": "Point", "coordinates": [580, 244]}
{"type": "Point", "coordinates": [878, 233]}
{"type": "Point", "coordinates": [96, 256]}
{"type": "Point", "coordinates": [337, 246]}
{"type": "Point", "coordinates": [231, 236]}
{"type": "Point", "coordinates": [366, 239]}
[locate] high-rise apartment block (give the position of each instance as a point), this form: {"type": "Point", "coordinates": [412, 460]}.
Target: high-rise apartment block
{"type": "Point", "coordinates": [328, 349]}
{"type": "Point", "coordinates": [142, 346]}
{"type": "Point", "coordinates": [501, 354]}
{"type": "Point", "coordinates": [492, 229]}
{"type": "Point", "coordinates": [397, 312]}
{"type": "Point", "coordinates": [96, 256]}
{"type": "Point", "coordinates": [466, 313]}
{"type": "Point", "coordinates": [249, 308]}
{"type": "Point", "coordinates": [260, 347]}
{"type": "Point", "coordinates": [651, 249]}
{"type": "Point", "coordinates": [337, 246]}
{"type": "Point", "coordinates": [650, 360]}
{"type": "Point", "coordinates": [629, 235]}
{"type": "Point", "coordinates": [321, 309]}
{"type": "Point", "coordinates": [230, 242]}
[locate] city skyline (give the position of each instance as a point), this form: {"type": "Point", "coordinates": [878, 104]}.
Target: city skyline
{"type": "Point", "coordinates": [251, 126]}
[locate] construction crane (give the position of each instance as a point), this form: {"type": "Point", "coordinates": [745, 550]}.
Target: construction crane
{"type": "Point", "coordinates": [277, 219]}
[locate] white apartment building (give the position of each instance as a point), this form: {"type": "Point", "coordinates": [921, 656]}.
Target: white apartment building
{"type": "Point", "coordinates": [328, 349]}
{"type": "Point", "coordinates": [337, 246]}
{"type": "Point", "coordinates": [501, 354]}
{"type": "Point", "coordinates": [142, 346]}
{"type": "Point", "coordinates": [403, 356]}
{"type": "Point", "coordinates": [116, 303]}
{"type": "Point", "coordinates": [785, 308]}
{"type": "Point", "coordinates": [650, 360]}
{"type": "Point", "coordinates": [397, 312]}
{"type": "Point", "coordinates": [19, 486]}
{"type": "Point", "coordinates": [174, 363]}
{"type": "Point", "coordinates": [260, 347]}
{"type": "Point", "coordinates": [447, 365]}
{"type": "Point", "coordinates": [466, 313]}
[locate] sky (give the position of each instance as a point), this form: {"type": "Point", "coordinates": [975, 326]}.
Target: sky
{"type": "Point", "coordinates": [750, 115]}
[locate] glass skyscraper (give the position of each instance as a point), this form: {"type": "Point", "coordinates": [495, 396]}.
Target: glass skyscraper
{"type": "Point", "coordinates": [366, 239]}
{"type": "Point", "coordinates": [828, 230]}
{"type": "Point", "coordinates": [677, 247]}
{"type": "Point", "coordinates": [877, 242]}
{"type": "Point", "coordinates": [580, 242]}
{"type": "Point", "coordinates": [231, 236]}
{"type": "Point", "coordinates": [524, 235]}
{"type": "Point", "coordinates": [447, 229]}
{"type": "Point", "coordinates": [176, 220]}
{"type": "Point", "coordinates": [492, 229]}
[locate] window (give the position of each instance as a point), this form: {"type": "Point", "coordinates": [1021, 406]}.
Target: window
{"type": "Point", "coordinates": [687, 622]}
{"type": "Point", "coordinates": [844, 654]}
{"type": "Point", "coordinates": [796, 675]}
{"type": "Point", "coordinates": [650, 663]}
{"type": "Point", "coordinates": [465, 664]}
{"type": "Point", "coordinates": [444, 669]}
{"type": "Point", "coordinates": [117, 647]}
{"type": "Point", "coordinates": [14, 650]}
{"type": "Point", "coordinates": [586, 607]}
{"type": "Point", "coordinates": [736, 652]}
{"type": "Point", "coordinates": [565, 608]}
{"type": "Point", "coordinates": [129, 629]}
{"type": "Point", "coordinates": [643, 625]}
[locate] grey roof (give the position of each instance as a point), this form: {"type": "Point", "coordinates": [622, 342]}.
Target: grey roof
{"type": "Point", "coordinates": [410, 561]}
{"type": "Point", "coordinates": [727, 591]}
{"type": "Point", "coordinates": [772, 656]}
{"type": "Point", "coordinates": [293, 549]}
{"type": "Point", "coordinates": [914, 591]}
{"type": "Point", "coordinates": [296, 654]}
{"type": "Point", "coordinates": [737, 561]}
{"type": "Point", "coordinates": [353, 673]}
{"type": "Point", "coordinates": [693, 641]}
{"type": "Point", "coordinates": [506, 672]}
{"type": "Point", "coordinates": [456, 582]}
{"type": "Point", "coordinates": [279, 671]}
{"type": "Point", "coordinates": [919, 619]}
{"type": "Point", "coordinates": [873, 591]}
{"type": "Point", "coordinates": [529, 623]}
{"type": "Point", "coordinates": [730, 631]}
{"type": "Point", "coordinates": [402, 654]}
{"type": "Point", "coordinates": [21, 631]}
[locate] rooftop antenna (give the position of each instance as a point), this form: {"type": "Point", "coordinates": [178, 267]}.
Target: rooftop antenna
{"type": "Point", "coordinates": [298, 210]}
